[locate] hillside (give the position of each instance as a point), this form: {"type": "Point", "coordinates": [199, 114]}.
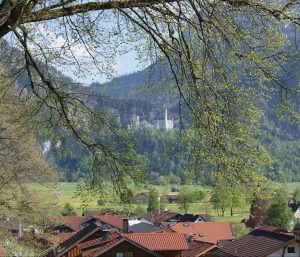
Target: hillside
{"type": "Point", "coordinates": [126, 97]}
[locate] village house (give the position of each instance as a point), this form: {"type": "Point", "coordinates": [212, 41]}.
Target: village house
{"type": "Point", "coordinates": [195, 218]}
{"type": "Point", "coordinates": [172, 198]}
{"type": "Point", "coordinates": [69, 224]}
{"type": "Point", "coordinates": [13, 226]}
{"type": "Point", "coordinates": [93, 241]}
{"type": "Point", "coordinates": [261, 243]}
{"type": "Point", "coordinates": [295, 207]}
{"type": "Point", "coordinates": [143, 197]}
{"type": "Point", "coordinates": [163, 218]}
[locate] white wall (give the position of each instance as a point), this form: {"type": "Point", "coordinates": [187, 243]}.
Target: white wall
{"type": "Point", "coordinates": [286, 254]}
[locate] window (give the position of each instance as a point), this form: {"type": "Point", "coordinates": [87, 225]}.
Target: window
{"type": "Point", "coordinates": [291, 250]}
{"type": "Point", "coordinates": [129, 254]}
{"type": "Point", "coordinates": [120, 255]}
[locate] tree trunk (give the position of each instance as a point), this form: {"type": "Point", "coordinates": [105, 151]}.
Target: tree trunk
{"type": "Point", "coordinates": [223, 211]}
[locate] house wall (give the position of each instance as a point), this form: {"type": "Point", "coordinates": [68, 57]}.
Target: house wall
{"type": "Point", "coordinates": [297, 214]}
{"type": "Point", "coordinates": [286, 254]}
{"type": "Point", "coordinates": [170, 253]}
{"type": "Point", "coordinates": [126, 247]}
{"type": "Point", "coordinates": [74, 252]}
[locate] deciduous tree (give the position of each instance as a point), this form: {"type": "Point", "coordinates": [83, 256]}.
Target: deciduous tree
{"type": "Point", "coordinates": [186, 198]}
{"type": "Point", "coordinates": [296, 194]}
{"type": "Point", "coordinates": [279, 214]}
{"type": "Point", "coordinates": [153, 204]}
{"type": "Point", "coordinates": [20, 158]}
{"type": "Point", "coordinates": [222, 56]}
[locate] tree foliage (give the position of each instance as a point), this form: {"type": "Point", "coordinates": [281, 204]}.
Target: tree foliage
{"type": "Point", "coordinates": [225, 196]}
{"type": "Point", "coordinates": [279, 214]}
{"type": "Point", "coordinates": [186, 198]}
{"type": "Point", "coordinates": [153, 204]}
{"type": "Point", "coordinates": [21, 160]}
{"type": "Point", "coordinates": [239, 230]}
{"type": "Point", "coordinates": [296, 194]}
{"type": "Point", "coordinates": [296, 229]}
{"type": "Point", "coordinates": [258, 212]}
{"type": "Point", "coordinates": [68, 210]}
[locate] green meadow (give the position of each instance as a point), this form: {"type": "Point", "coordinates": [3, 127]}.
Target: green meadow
{"type": "Point", "coordinates": [64, 193]}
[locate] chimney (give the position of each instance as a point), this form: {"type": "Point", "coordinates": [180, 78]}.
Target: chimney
{"type": "Point", "coordinates": [190, 238]}
{"type": "Point", "coordinates": [105, 234]}
{"type": "Point", "coordinates": [125, 226]}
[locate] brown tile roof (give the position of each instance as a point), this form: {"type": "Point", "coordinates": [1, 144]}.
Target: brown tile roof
{"type": "Point", "coordinates": [257, 243]}
{"type": "Point", "coordinates": [104, 247]}
{"type": "Point", "coordinates": [210, 232]}
{"type": "Point", "coordinates": [160, 241]}
{"type": "Point", "coordinates": [163, 217]}
{"type": "Point", "coordinates": [73, 240]}
{"type": "Point", "coordinates": [72, 221]}
{"type": "Point", "coordinates": [98, 241]}
{"type": "Point", "coordinates": [197, 248]}
{"type": "Point", "coordinates": [76, 238]}
{"type": "Point", "coordinates": [111, 220]}
{"type": "Point", "coordinates": [158, 217]}
{"type": "Point", "coordinates": [64, 236]}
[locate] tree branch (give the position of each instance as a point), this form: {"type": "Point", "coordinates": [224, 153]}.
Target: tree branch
{"type": "Point", "coordinates": [48, 14]}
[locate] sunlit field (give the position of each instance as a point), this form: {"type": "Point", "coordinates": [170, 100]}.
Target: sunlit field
{"type": "Point", "coordinates": [66, 193]}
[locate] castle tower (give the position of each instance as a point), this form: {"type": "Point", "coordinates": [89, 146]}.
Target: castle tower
{"type": "Point", "coordinates": [166, 119]}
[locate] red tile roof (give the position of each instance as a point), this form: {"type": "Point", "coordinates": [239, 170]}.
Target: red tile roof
{"type": "Point", "coordinates": [107, 245]}
{"type": "Point", "coordinates": [198, 248]}
{"type": "Point", "coordinates": [166, 229]}
{"type": "Point", "coordinates": [160, 241]}
{"type": "Point", "coordinates": [210, 232]}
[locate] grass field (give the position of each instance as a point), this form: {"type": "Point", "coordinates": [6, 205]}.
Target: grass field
{"type": "Point", "coordinates": [65, 192]}
{"type": "Point", "coordinates": [291, 186]}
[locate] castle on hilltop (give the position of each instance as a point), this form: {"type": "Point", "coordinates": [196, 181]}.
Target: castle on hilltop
{"type": "Point", "coordinates": [157, 124]}
{"type": "Point", "coordinates": [165, 123]}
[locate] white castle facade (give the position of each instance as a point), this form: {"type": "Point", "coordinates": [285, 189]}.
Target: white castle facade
{"type": "Point", "coordinates": [165, 123]}
{"type": "Point", "coordinates": [158, 124]}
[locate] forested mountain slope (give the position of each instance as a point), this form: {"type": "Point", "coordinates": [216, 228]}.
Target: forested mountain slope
{"type": "Point", "coordinates": [125, 98]}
